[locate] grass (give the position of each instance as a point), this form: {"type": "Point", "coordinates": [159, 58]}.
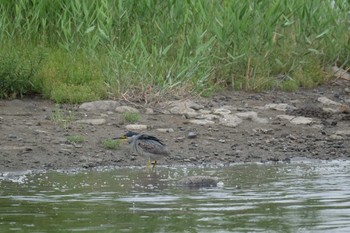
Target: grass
{"type": "Point", "coordinates": [76, 51]}
{"type": "Point", "coordinates": [111, 144]}
{"type": "Point", "coordinates": [131, 117]}
{"type": "Point", "coordinates": [75, 139]}
{"type": "Point", "coordinates": [62, 118]}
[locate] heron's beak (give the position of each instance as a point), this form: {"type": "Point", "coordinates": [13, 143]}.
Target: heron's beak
{"type": "Point", "coordinates": [121, 137]}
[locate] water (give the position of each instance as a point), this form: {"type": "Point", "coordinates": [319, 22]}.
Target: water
{"type": "Point", "coordinates": [294, 197]}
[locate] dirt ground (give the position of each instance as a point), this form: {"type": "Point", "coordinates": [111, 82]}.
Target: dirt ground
{"type": "Point", "coordinates": [30, 139]}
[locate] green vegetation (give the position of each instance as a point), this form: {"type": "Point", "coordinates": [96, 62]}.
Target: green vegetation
{"type": "Point", "coordinates": [60, 117]}
{"type": "Point", "coordinates": [111, 144]}
{"type": "Point", "coordinates": [131, 117]}
{"type": "Point", "coordinates": [75, 139]}
{"type": "Point", "coordinates": [75, 51]}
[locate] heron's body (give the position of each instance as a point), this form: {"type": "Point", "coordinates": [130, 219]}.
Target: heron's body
{"type": "Point", "coordinates": [146, 145]}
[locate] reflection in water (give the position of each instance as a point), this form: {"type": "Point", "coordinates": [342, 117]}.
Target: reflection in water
{"type": "Point", "coordinates": [255, 197]}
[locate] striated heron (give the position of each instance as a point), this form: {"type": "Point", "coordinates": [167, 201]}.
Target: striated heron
{"type": "Point", "coordinates": [146, 145]}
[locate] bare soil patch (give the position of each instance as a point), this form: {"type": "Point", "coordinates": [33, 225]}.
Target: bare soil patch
{"type": "Point", "coordinates": [30, 139]}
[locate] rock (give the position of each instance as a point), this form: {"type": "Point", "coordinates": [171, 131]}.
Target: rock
{"type": "Point", "coordinates": [221, 111]}
{"type": "Point", "coordinates": [165, 130]}
{"type": "Point", "coordinates": [230, 120]}
{"type": "Point", "coordinates": [198, 181]}
{"type": "Point", "coordinates": [279, 107]}
{"type": "Point", "coordinates": [201, 121]}
{"type": "Point", "coordinates": [247, 115]}
{"type": "Point", "coordinates": [285, 117]}
{"type": "Point", "coordinates": [343, 132]}
{"type": "Point", "coordinates": [207, 117]}
{"type": "Point", "coordinates": [100, 121]}
{"type": "Point", "coordinates": [149, 111]}
{"type": "Point", "coordinates": [300, 120]}
{"type": "Point", "coordinates": [336, 137]}
{"type": "Point", "coordinates": [136, 127]}
{"type": "Point", "coordinates": [192, 134]}
{"type": "Point", "coordinates": [204, 111]}
{"type": "Point", "coordinates": [122, 109]}
{"type": "Point", "coordinates": [340, 73]}
{"type": "Point", "coordinates": [253, 116]}
{"type": "Point", "coordinates": [102, 105]}
{"type": "Point", "coordinates": [181, 107]}
{"type": "Point", "coordinates": [326, 101]}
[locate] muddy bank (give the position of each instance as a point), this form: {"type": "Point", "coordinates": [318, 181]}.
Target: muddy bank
{"type": "Point", "coordinates": [231, 127]}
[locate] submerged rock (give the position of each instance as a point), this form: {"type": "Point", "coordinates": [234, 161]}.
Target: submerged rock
{"type": "Point", "coordinates": [198, 181]}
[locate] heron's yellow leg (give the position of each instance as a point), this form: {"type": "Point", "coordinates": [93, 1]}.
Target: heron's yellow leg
{"type": "Point", "coordinates": [148, 164]}
{"type": "Point", "coordinates": [154, 164]}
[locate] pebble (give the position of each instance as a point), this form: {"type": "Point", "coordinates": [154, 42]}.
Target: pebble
{"type": "Point", "coordinates": [165, 130]}
{"type": "Point", "coordinates": [192, 134]}
{"type": "Point", "coordinates": [136, 127]}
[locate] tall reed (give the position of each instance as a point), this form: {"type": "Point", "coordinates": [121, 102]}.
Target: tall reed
{"type": "Point", "coordinates": [200, 45]}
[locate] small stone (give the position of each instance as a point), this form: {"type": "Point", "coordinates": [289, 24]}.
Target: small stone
{"type": "Point", "coordinates": [103, 105]}
{"type": "Point", "coordinates": [100, 121]}
{"type": "Point", "coordinates": [230, 120]}
{"type": "Point", "coordinates": [165, 130]}
{"type": "Point", "coordinates": [343, 132]}
{"type": "Point", "coordinates": [221, 111]}
{"type": "Point", "coordinates": [336, 137]}
{"type": "Point", "coordinates": [302, 120]}
{"type": "Point", "coordinates": [204, 111]}
{"type": "Point", "coordinates": [181, 107]}
{"type": "Point", "coordinates": [222, 140]}
{"type": "Point", "coordinates": [279, 107]}
{"type": "Point", "coordinates": [201, 122]}
{"type": "Point", "coordinates": [136, 127]}
{"type": "Point", "coordinates": [326, 101]}
{"type": "Point", "coordinates": [122, 109]}
{"type": "Point", "coordinates": [209, 117]}
{"type": "Point", "coordinates": [149, 111]}
{"type": "Point", "coordinates": [192, 134]}
{"type": "Point", "coordinates": [179, 139]}
{"type": "Point", "coordinates": [285, 117]}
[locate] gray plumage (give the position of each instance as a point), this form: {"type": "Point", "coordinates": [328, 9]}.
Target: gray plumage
{"type": "Point", "coordinates": [146, 145]}
{"type": "Point", "coordinates": [149, 146]}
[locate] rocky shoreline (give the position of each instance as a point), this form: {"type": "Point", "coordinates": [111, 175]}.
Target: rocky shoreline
{"type": "Point", "coordinates": [231, 127]}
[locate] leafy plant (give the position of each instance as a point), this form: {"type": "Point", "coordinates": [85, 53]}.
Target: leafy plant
{"type": "Point", "coordinates": [131, 117]}
{"type": "Point", "coordinates": [75, 139]}
{"type": "Point", "coordinates": [111, 144]}
{"type": "Point", "coordinates": [60, 117]}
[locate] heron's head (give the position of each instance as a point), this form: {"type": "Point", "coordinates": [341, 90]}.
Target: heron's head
{"type": "Point", "coordinates": [127, 136]}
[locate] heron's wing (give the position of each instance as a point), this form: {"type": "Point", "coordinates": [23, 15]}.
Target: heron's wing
{"type": "Point", "coordinates": [150, 138]}
{"type": "Point", "coordinates": [153, 147]}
